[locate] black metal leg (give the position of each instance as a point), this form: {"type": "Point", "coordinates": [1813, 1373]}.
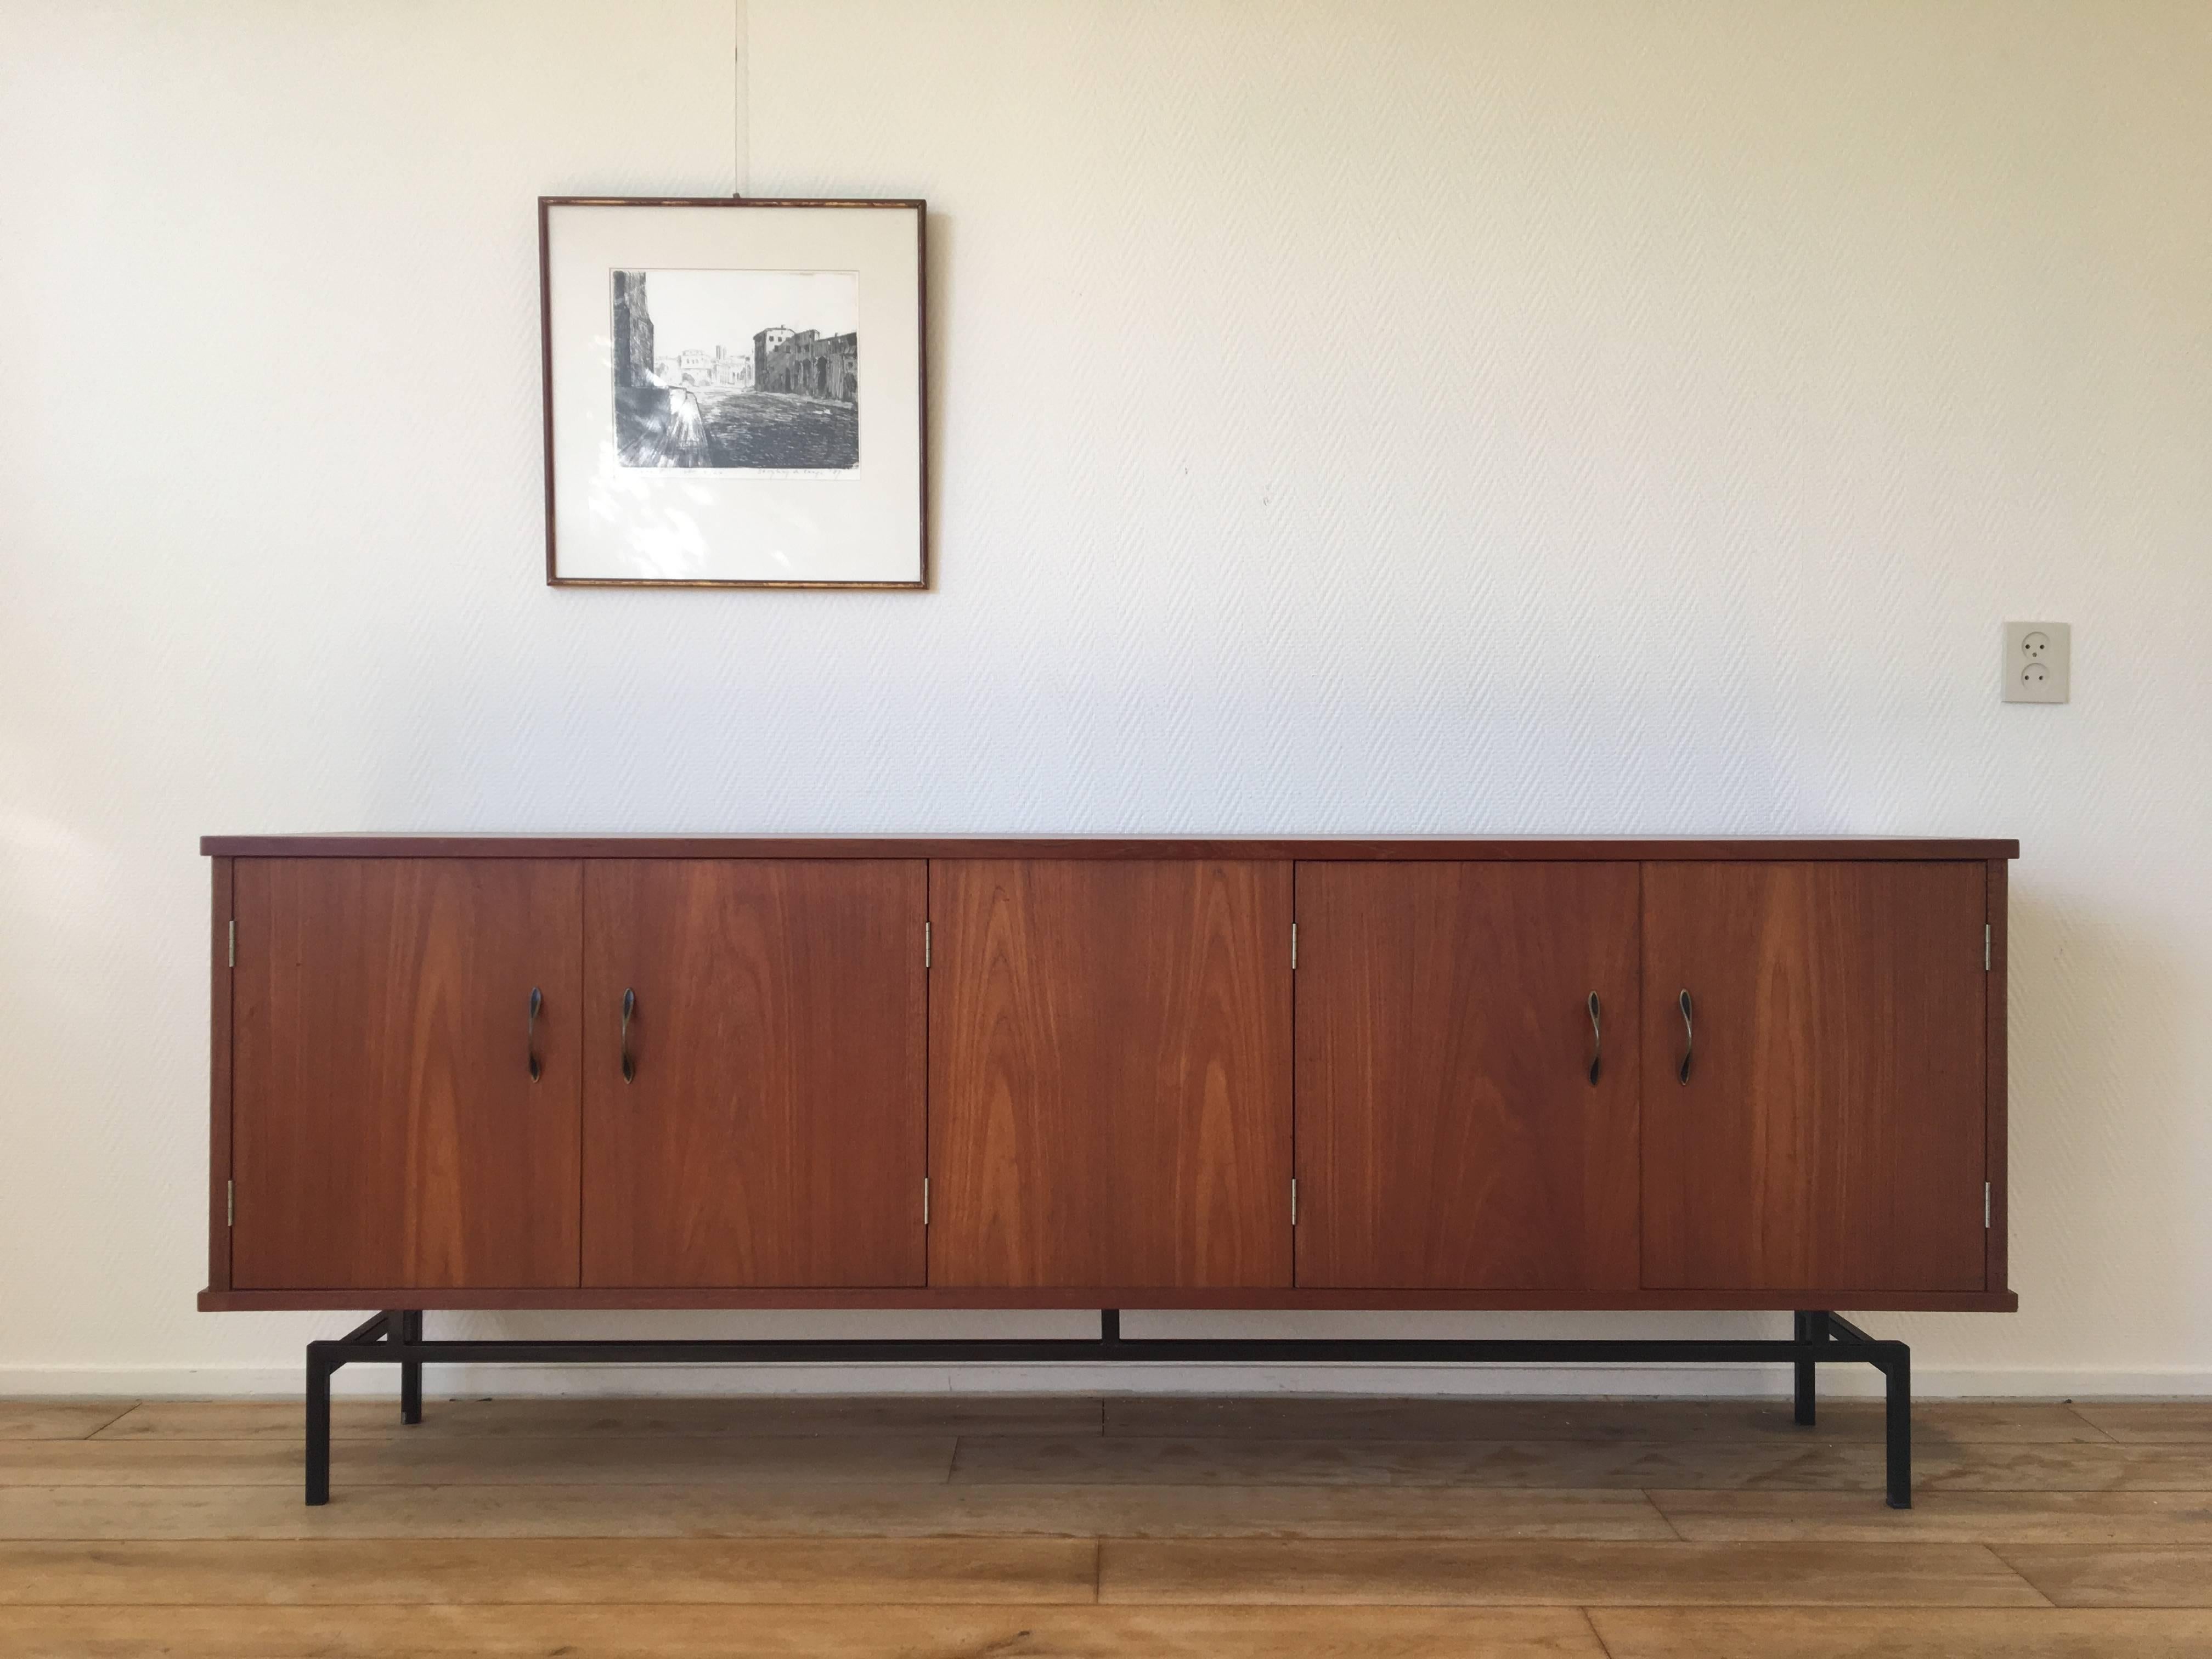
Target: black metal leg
{"type": "Point", "coordinates": [410, 1329]}
{"type": "Point", "coordinates": [319, 1368]}
{"type": "Point", "coordinates": [395, 1337]}
{"type": "Point", "coordinates": [1809, 1327]}
{"type": "Point", "coordinates": [323, 1358]}
{"type": "Point", "coordinates": [1897, 1369]}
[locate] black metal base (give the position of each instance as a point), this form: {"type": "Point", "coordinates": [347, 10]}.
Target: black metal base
{"type": "Point", "coordinates": [1821, 1338]}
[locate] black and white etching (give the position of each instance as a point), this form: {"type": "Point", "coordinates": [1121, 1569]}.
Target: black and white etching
{"type": "Point", "coordinates": [737, 370]}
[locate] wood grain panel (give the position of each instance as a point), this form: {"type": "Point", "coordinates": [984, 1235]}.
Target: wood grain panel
{"type": "Point", "coordinates": [1110, 1073]}
{"type": "Point", "coordinates": [60, 1420]}
{"type": "Point", "coordinates": [774, 1133]}
{"type": "Point", "coordinates": [988, 1460]}
{"type": "Point", "coordinates": [1996, 1048]}
{"type": "Point", "coordinates": [1832, 1132]}
{"type": "Point", "coordinates": [2111, 1575]}
{"type": "Point", "coordinates": [799, 1508]}
{"type": "Point", "coordinates": [385, 1127]}
{"type": "Point", "coordinates": [223, 886]}
{"type": "Point", "coordinates": [1937, 1425]}
{"type": "Point", "coordinates": [424, 1572]}
{"type": "Point", "coordinates": [517, 1460]}
{"type": "Point", "coordinates": [2033, 1516]}
{"type": "Point", "coordinates": [1217, 1572]}
{"type": "Point", "coordinates": [632, 1632]}
{"type": "Point", "coordinates": [2150, 1419]}
{"type": "Point", "coordinates": [1901, 1633]}
{"type": "Point", "coordinates": [1450, 1132]}
{"type": "Point", "coordinates": [1660, 1464]}
{"type": "Point", "coordinates": [478, 1418]}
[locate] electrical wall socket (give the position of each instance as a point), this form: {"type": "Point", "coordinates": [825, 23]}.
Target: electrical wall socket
{"type": "Point", "coordinates": [2039, 662]}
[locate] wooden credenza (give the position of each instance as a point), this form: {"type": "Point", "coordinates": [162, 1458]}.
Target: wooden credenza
{"type": "Point", "coordinates": [672, 1073]}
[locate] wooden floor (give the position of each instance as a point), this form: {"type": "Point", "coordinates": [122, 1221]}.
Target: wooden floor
{"type": "Point", "coordinates": [944, 1525]}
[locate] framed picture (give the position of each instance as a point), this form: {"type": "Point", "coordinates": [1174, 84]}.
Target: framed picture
{"type": "Point", "coordinates": [733, 393]}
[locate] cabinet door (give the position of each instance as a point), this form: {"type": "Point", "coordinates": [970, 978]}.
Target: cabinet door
{"type": "Point", "coordinates": [1450, 1133]}
{"type": "Point", "coordinates": [771, 1130]}
{"type": "Point", "coordinates": [1110, 1073]}
{"type": "Point", "coordinates": [1830, 1134]}
{"type": "Point", "coordinates": [385, 1130]}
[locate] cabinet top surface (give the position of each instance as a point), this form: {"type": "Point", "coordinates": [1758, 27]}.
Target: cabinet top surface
{"type": "Point", "coordinates": [1096, 847]}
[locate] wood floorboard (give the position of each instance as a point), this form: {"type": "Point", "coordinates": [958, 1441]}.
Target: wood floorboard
{"type": "Point", "coordinates": [1095, 1460]}
{"type": "Point", "coordinates": [2009, 1517]}
{"type": "Point", "coordinates": [2074, 1575]}
{"type": "Point", "coordinates": [1897, 1633]}
{"type": "Point", "coordinates": [806, 1632]}
{"type": "Point", "coordinates": [907, 1415]}
{"type": "Point", "coordinates": [673, 1459]}
{"type": "Point", "coordinates": [471, 1511]}
{"type": "Point", "coordinates": [1215, 1572]}
{"type": "Point", "coordinates": [1018, 1527]}
{"type": "Point", "coordinates": [58, 1419]}
{"type": "Point", "coordinates": [1810, 1463]}
{"type": "Point", "coordinates": [2162, 1420]}
{"type": "Point", "coordinates": [1936, 1423]}
{"type": "Point", "coordinates": [493, 1571]}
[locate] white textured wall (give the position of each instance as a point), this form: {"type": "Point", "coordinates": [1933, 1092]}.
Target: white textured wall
{"type": "Point", "coordinates": [1349, 417]}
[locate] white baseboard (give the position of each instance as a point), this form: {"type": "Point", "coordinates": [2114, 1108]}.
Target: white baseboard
{"type": "Point", "coordinates": [1650, 1382]}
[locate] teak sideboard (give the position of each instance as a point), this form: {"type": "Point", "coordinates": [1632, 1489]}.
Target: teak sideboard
{"type": "Point", "coordinates": [572, 1072]}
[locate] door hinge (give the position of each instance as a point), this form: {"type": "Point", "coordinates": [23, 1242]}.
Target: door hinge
{"type": "Point", "coordinates": [234, 942]}
{"type": "Point", "coordinates": [925, 945]}
{"type": "Point", "coordinates": [1294, 947]}
{"type": "Point", "coordinates": [1294, 1201]}
{"type": "Point", "coordinates": [925, 1200]}
{"type": "Point", "coordinates": [1985, 947]}
{"type": "Point", "coordinates": [230, 1204]}
{"type": "Point", "coordinates": [1985, 1207]}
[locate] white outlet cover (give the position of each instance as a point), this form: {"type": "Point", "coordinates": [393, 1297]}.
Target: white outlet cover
{"type": "Point", "coordinates": [2039, 662]}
